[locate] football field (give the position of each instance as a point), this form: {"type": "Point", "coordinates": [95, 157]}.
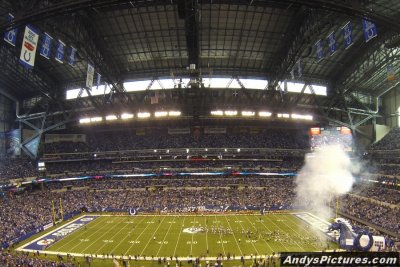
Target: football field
{"type": "Point", "coordinates": [151, 237]}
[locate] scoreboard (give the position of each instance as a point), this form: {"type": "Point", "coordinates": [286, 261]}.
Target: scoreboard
{"type": "Point", "coordinates": [320, 137]}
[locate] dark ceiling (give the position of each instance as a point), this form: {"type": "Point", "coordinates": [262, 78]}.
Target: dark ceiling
{"type": "Point", "coordinates": [150, 39]}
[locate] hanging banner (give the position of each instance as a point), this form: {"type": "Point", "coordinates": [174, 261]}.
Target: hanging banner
{"type": "Point", "coordinates": [13, 141]}
{"type": "Point", "coordinates": [369, 30]}
{"type": "Point", "coordinates": [60, 52]}
{"type": "Point", "coordinates": [72, 56]}
{"type": "Point", "coordinates": [347, 35]}
{"type": "Point", "coordinates": [46, 46]}
{"type": "Point", "coordinates": [98, 80]}
{"type": "Point", "coordinates": [29, 45]}
{"type": "Point", "coordinates": [332, 46]}
{"type": "Point", "coordinates": [33, 146]}
{"type": "Point", "coordinates": [89, 76]}
{"type": "Point", "coordinates": [11, 36]}
{"type": "Point", "coordinates": [319, 50]}
{"type": "Point", "coordinates": [391, 74]}
{"type": "Point", "coordinates": [299, 68]}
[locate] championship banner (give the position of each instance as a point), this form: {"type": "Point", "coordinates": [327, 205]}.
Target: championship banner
{"type": "Point", "coordinates": [347, 35]}
{"type": "Point", "coordinates": [33, 146]}
{"type": "Point", "coordinates": [60, 52]}
{"type": "Point", "coordinates": [29, 45]}
{"type": "Point", "coordinates": [72, 56]}
{"type": "Point", "coordinates": [89, 77]}
{"type": "Point", "coordinates": [13, 141]}
{"type": "Point", "coordinates": [332, 46]}
{"type": "Point", "coordinates": [45, 48]}
{"type": "Point", "coordinates": [299, 68]}
{"type": "Point", "coordinates": [98, 80]}
{"type": "Point", "coordinates": [185, 130]}
{"type": "Point", "coordinates": [75, 138]}
{"type": "Point", "coordinates": [369, 29]}
{"type": "Point", "coordinates": [11, 36]}
{"type": "Point", "coordinates": [391, 74]}
{"type": "Point", "coordinates": [216, 130]}
{"type": "Point", "coordinates": [319, 50]}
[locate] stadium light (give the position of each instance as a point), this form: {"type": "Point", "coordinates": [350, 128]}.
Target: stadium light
{"type": "Point", "coordinates": [283, 115]}
{"type": "Point", "coordinates": [187, 150]}
{"type": "Point", "coordinates": [264, 114]}
{"type": "Point", "coordinates": [155, 150]}
{"type": "Point", "coordinates": [248, 113]}
{"type": "Point", "coordinates": [238, 150]}
{"type": "Point", "coordinates": [84, 120]}
{"type": "Point", "coordinates": [158, 114]}
{"type": "Point", "coordinates": [230, 112]}
{"type": "Point", "coordinates": [111, 118]}
{"type": "Point", "coordinates": [174, 113]}
{"type": "Point", "coordinates": [126, 116]}
{"type": "Point", "coordinates": [143, 115]}
{"type": "Point", "coordinates": [217, 112]}
{"type": "Point", "coordinates": [96, 119]}
{"type": "Point", "coordinates": [302, 117]}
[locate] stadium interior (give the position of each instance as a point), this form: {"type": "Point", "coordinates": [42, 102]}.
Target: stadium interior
{"type": "Point", "coordinates": [221, 133]}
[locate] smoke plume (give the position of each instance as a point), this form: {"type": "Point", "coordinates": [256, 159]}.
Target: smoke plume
{"type": "Point", "coordinates": [326, 175]}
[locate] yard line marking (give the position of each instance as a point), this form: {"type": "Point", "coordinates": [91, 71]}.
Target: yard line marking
{"type": "Point", "coordinates": [80, 235]}
{"type": "Point", "coordinates": [148, 224]}
{"type": "Point", "coordinates": [220, 238]}
{"type": "Point", "coordinates": [234, 236]}
{"type": "Point", "coordinates": [270, 231]}
{"type": "Point", "coordinates": [244, 229]}
{"type": "Point", "coordinates": [169, 228]}
{"type": "Point", "coordinates": [206, 228]}
{"type": "Point", "coordinates": [92, 234]}
{"type": "Point", "coordinates": [305, 229]}
{"type": "Point", "coordinates": [179, 236]}
{"type": "Point", "coordinates": [141, 253]}
{"type": "Point", "coordinates": [99, 238]}
{"type": "Point", "coordinates": [126, 236]}
{"type": "Point", "coordinates": [112, 238]}
{"type": "Point", "coordinates": [285, 232]}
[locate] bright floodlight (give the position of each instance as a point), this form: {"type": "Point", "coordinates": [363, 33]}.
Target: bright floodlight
{"type": "Point", "coordinates": [230, 112]}
{"type": "Point", "coordinates": [96, 119]}
{"type": "Point", "coordinates": [111, 118]}
{"type": "Point", "coordinates": [126, 116]}
{"type": "Point", "coordinates": [248, 113]}
{"type": "Point", "coordinates": [264, 114]}
{"type": "Point", "coordinates": [283, 115]}
{"type": "Point", "coordinates": [187, 150]}
{"type": "Point", "coordinates": [160, 114]}
{"type": "Point", "coordinates": [217, 112]}
{"type": "Point", "coordinates": [143, 115]}
{"type": "Point", "coordinates": [302, 117]}
{"type": "Point", "coordinates": [174, 113]}
{"type": "Point", "coordinates": [84, 120]}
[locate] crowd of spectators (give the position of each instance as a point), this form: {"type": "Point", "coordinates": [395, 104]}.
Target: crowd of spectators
{"type": "Point", "coordinates": [119, 141]}
{"type": "Point", "coordinates": [386, 194]}
{"type": "Point", "coordinates": [25, 259]}
{"type": "Point", "coordinates": [389, 141]}
{"type": "Point", "coordinates": [373, 212]}
{"type": "Point", "coordinates": [22, 213]}
{"type": "Point", "coordinates": [16, 168]}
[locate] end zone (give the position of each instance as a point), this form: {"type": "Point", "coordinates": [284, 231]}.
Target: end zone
{"type": "Point", "coordinates": [45, 240]}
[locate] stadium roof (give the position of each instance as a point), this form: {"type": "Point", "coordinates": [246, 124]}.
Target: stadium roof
{"type": "Point", "coordinates": [198, 40]}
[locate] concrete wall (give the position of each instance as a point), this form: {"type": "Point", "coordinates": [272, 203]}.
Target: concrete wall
{"type": "Point", "coordinates": [390, 106]}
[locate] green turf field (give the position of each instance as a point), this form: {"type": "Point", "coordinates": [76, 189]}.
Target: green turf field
{"type": "Point", "coordinates": [184, 236]}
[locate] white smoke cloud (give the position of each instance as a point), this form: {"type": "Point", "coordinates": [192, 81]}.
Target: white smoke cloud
{"type": "Point", "coordinates": [326, 175]}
